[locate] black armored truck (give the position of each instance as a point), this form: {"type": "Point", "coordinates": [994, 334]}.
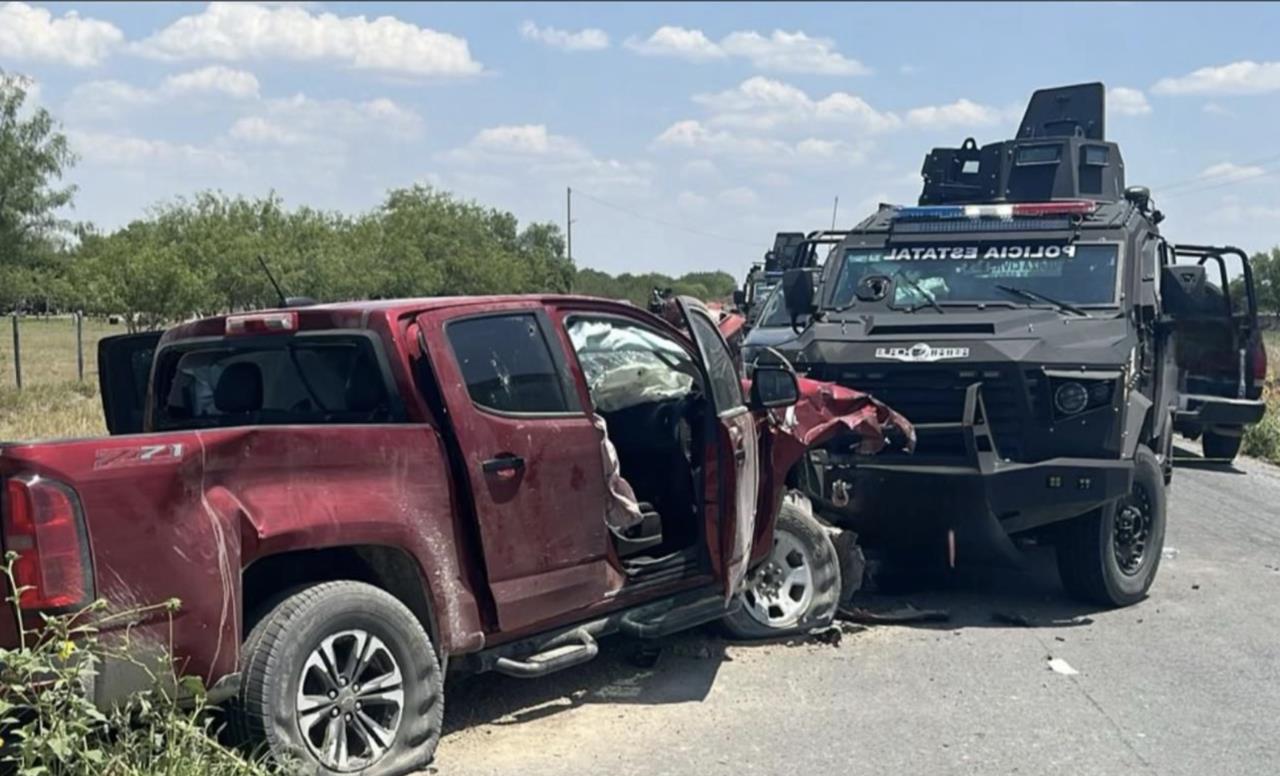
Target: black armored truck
{"type": "Point", "coordinates": [1044, 339]}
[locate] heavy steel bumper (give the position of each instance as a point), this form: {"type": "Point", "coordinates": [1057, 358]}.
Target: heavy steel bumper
{"type": "Point", "coordinates": [972, 503]}
{"type": "Point", "coordinates": [1207, 411]}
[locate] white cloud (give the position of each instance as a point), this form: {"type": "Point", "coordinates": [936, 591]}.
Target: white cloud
{"type": "Point", "coordinates": [214, 79]}
{"type": "Point", "coordinates": [589, 39]}
{"type": "Point", "coordinates": [693, 135]}
{"type": "Point", "coordinates": [1214, 109]}
{"type": "Point", "coordinates": [780, 51]}
{"type": "Point", "coordinates": [237, 31]}
{"type": "Point", "coordinates": [1124, 101]}
{"type": "Point", "coordinates": [542, 153]}
{"type": "Point", "coordinates": [325, 120]}
{"type": "Point", "coordinates": [31, 33]}
{"type": "Point", "coordinates": [763, 103]}
{"type": "Point", "coordinates": [961, 113]}
{"type": "Point", "coordinates": [688, 200]}
{"type": "Point", "coordinates": [791, 52]}
{"type": "Point", "coordinates": [129, 151]}
{"type": "Point", "coordinates": [1245, 77]}
{"type": "Point", "coordinates": [696, 169]}
{"type": "Point", "coordinates": [257, 130]}
{"type": "Point", "coordinates": [108, 99]}
{"type": "Point", "coordinates": [670, 41]}
{"type": "Point", "coordinates": [524, 140]}
{"type": "Point", "coordinates": [1229, 171]}
{"type": "Point", "coordinates": [739, 196]}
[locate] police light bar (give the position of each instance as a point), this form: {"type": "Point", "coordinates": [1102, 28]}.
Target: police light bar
{"type": "Point", "coordinates": [1073, 207]}
{"type": "Point", "coordinates": [262, 323]}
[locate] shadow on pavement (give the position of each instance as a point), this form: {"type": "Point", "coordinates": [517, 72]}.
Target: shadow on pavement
{"type": "Point", "coordinates": [1188, 457]}
{"type": "Point", "coordinates": [681, 671]}
{"type": "Point", "coordinates": [987, 597]}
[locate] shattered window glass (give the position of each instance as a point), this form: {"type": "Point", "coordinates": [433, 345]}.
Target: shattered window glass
{"type": "Point", "coordinates": [626, 364]}
{"type": "Point", "coordinates": [506, 363]}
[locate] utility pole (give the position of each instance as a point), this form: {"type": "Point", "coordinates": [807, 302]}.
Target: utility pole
{"type": "Point", "coordinates": [568, 222]}
{"type": "Point", "coordinates": [835, 209]}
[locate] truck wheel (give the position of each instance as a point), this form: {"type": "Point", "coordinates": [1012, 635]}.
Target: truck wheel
{"type": "Point", "coordinates": [1221, 446]}
{"type": "Point", "coordinates": [797, 588]}
{"type": "Point", "coordinates": [340, 677]}
{"type": "Point", "coordinates": [1110, 555]}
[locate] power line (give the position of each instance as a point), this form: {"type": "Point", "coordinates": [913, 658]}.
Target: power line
{"type": "Point", "coordinates": [1228, 182]}
{"type": "Point", "coordinates": [663, 221]}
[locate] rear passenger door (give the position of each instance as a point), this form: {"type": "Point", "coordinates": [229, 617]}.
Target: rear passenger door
{"type": "Point", "coordinates": [737, 454]}
{"type": "Point", "coordinates": [532, 457]}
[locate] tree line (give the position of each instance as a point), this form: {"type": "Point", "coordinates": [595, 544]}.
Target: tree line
{"type": "Point", "coordinates": [201, 254]}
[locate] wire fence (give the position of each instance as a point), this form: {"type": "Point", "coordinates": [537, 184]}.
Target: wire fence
{"type": "Point", "coordinates": [43, 350]}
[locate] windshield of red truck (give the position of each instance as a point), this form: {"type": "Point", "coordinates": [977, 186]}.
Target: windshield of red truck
{"type": "Point", "coordinates": [329, 379]}
{"type": "Point", "coordinates": [1077, 274]}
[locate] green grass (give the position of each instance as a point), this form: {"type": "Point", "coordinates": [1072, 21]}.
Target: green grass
{"type": "Point", "coordinates": [53, 402]}
{"type": "Point", "coordinates": [1263, 440]}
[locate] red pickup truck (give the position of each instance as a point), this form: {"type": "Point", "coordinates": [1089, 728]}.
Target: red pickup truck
{"type": "Point", "coordinates": [348, 498]}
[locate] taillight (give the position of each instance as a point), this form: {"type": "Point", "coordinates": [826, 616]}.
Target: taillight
{"type": "Point", "coordinates": [43, 526]}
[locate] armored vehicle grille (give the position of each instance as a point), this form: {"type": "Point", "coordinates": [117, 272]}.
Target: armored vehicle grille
{"type": "Point", "coordinates": [935, 394]}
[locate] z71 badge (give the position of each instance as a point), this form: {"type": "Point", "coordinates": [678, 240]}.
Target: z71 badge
{"type": "Point", "coordinates": [921, 352]}
{"type": "Point", "coordinates": [146, 455]}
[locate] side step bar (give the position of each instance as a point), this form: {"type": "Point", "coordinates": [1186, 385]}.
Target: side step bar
{"type": "Point", "coordinates": [656, 622]}
{"type": "Point", "coordinates": [543, 654]}
{"type": "Point", "coordinates": [572, 649]}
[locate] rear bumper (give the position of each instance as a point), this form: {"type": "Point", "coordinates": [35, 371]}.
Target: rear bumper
{"type": "Point", "coordinates": [1203, 410]}
{"type": "Point", "coordinates": [911, 502]}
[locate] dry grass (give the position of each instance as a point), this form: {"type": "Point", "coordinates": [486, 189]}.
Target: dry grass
{"type": "Point", "coordinates": [52, 403]}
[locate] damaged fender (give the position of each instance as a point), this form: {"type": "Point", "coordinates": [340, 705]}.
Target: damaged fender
{"type": "Point", "coordinates": [823, 411]}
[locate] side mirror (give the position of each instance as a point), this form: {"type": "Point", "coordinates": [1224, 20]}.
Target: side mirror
{"type": "Point", "coordinates": [798, 293]}
{"type": "Point", "coordinates": [739, 298]}
{"type": "Point", "coordinates": [773, 386]}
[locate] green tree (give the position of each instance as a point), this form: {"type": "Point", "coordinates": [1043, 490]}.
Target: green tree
{"type": "Point", "coordinates": [34, 154]}
{"type": "Point", "coordinates": [1266, 279]}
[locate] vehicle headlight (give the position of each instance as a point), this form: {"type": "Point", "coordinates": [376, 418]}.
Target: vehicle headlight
{"type": "Point", "coordinates": [1070, 398]}
{"type": "Point", "coordinates": [1074, 395]}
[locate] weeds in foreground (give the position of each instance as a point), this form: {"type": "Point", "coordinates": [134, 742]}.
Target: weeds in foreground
{"type": "Point", "coordinates": [50, 726]}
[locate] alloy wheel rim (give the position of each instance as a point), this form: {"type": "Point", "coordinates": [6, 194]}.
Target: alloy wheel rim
{"type": "Point", "coordinates": [780, 591]}
{"type": "Point", "coordinates": [350, 700]}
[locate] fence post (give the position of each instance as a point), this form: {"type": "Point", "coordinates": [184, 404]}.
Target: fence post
{"type": "Point", "coordinates": [80, 346]}
{"type": "Point", "coordinates": [17, 352]}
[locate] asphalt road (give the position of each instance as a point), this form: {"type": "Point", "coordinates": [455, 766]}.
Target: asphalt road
{"type": "Point", "coordinates": [1187, 682]}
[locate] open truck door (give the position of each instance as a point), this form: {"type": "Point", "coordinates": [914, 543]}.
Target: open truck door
{"type": "Point", "coordinates": [737, 452]}
{"type": "Point", "coordinates": [124, 370]}
{"type": "Point", "coordinates": [1209, 303]}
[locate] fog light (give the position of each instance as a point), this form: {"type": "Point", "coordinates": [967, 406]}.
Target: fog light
{"type": "Point", "coordinates": [1070, 398]}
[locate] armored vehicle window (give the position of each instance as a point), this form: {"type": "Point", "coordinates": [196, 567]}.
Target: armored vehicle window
{"type": "Point", "coordinates": [963, 274]}
{"type": "Point", "coordinates": [506, 364]}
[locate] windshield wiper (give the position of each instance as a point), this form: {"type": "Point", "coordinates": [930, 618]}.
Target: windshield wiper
{"type": "Point", "coordinates": [930, 299]}
{"type": "Point", "coordinates": [1036, 296]}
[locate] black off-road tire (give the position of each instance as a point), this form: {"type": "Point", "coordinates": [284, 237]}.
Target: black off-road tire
{"type": "Point", "coordinates": [1220, 446]}
{"type": "Point", "coordinates": [1088, 560]}
{"type": "Point", "coordinates": [799, 530]}
{"type": "Point", "coordinates": [264, 717]}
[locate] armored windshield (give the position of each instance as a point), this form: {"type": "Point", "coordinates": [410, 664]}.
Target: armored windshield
{"type": "Point", "coordinates": [1077, 274]}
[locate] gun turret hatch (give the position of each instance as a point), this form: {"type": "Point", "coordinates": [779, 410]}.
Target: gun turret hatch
{"type": "Point", "coordinates": [1060, 152]}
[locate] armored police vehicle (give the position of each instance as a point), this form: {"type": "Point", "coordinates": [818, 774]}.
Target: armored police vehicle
{"type": "Point", "coordinates": [1045, 340]}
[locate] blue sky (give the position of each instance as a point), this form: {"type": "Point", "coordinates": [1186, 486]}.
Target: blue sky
{"type": "Point", "coordinates": [689, 132]}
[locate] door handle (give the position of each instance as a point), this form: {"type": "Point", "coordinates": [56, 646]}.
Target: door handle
{"type": "Point", "coordinates": [503, 463]}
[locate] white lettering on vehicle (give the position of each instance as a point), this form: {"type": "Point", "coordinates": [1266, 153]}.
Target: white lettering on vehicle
{"type": "Point", "coordinates": [921, 352]}
{"type": "Point", "coordinates": [971, 252]}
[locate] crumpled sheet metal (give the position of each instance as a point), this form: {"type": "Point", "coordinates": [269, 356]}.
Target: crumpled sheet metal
{"type": "Point", "coordinates": [825, 408]}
